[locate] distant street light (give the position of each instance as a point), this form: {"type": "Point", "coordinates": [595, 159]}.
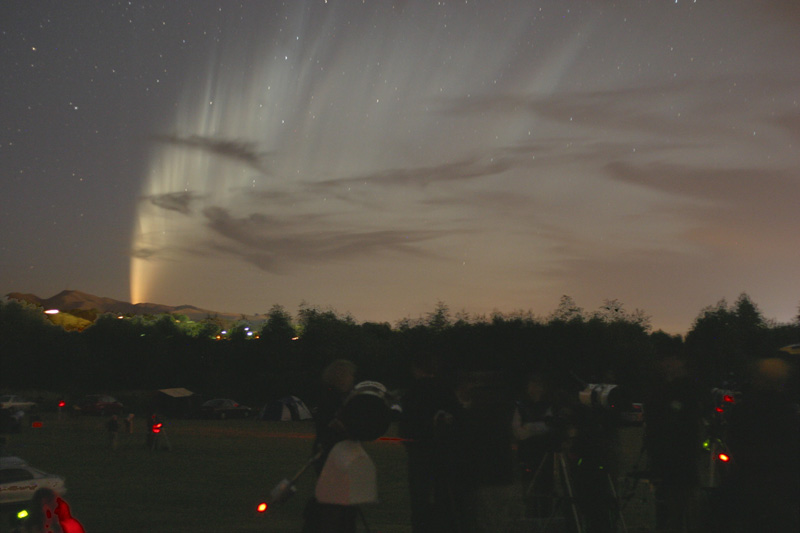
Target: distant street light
{"type": "Point", "coordinates": [52, 312]}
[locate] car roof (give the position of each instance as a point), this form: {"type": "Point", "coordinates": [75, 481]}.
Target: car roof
{"type": "Point", "coordinates": [11, 461]}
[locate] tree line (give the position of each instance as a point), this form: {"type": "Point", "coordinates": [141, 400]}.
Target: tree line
{"type": "Point", "coordinates": [285, 354]}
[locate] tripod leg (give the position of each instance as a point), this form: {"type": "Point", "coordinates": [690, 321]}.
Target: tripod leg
{"type": "Point", "coordinates": [570, 494]}
{"type": "Point", "coordinates": [617, 506]}
{"type": "Point", "coordinates": [363, 519]}
{"type": "Point", "coordinates": [536, 476]}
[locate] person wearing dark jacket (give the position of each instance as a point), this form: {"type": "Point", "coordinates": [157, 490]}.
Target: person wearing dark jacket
{"type": "Point", "coordinates": [429, 422]}
{"type": "Point", "coordinates": [672, 443]}
{"type": "Point", "coordinates": [763, 442]}
{"type": "Point", "coordinates": [536, 443]}
{"type": "Point", "coordinates": [338, 380]}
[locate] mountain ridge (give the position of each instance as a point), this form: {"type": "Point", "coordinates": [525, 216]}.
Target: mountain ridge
{"type": "Point", "coordinates": [68, 300]}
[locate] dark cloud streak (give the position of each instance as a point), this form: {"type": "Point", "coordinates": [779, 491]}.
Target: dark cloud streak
{"type": "Point", "coordinates": [180, 202]}
{"type": "Point", "coordinates": [274, 245]}
{"type": "Point", "coordinates": [241, 151]}
{"type": "Point", "coordinates": [451, 172]}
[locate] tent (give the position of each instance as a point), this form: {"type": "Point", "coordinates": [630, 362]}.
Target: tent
{"type": "Point", "coordinates": [286, 409]}
{"type": "Point", "coordinates": [176, 402]}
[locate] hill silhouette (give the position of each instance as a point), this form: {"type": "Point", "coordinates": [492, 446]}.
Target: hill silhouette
{"type": "Point", "coordinates": [68, 300]}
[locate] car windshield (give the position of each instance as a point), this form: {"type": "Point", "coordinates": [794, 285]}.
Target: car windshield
{"type": "Point", "coordinates": [7, 475]}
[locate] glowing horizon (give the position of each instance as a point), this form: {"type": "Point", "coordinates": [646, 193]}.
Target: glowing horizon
{"type": "Point", "coordinates": [329, 155]}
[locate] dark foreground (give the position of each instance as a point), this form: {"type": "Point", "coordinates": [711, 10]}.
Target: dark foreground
{"type": "Point", "coordinates": [218, 471]}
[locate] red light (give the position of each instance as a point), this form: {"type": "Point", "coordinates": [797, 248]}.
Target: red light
{"type": "Point", "coordinates": [36, 424]}
{"type": "Point", "coordinates": [724, 457]}
{"type": "Point", "coordinates": [62, 403]}
{"type": "Point", "coordinates": [157, 428]}
{"type": "Point", "coordinates": [262, 507]}
{"type": "Point", "coordinates": [728, 398]}
{"type": "Point", "coordinates": [720, 410]}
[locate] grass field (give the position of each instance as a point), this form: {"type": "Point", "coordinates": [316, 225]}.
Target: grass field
{"type": "Point", "coordinates": [212, 478]}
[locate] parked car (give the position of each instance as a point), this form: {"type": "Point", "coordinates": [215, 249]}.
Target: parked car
{"type": "Point", "coordinates": [223, 408]}
{"type": "Point", "coordinates": [14, 402]}
{"type": "Point", "coordinates": [99, 404]}
{"type": "Point", "coordinates": [11, 420]}
{"type": "Point", "coordinates": [19, 480]}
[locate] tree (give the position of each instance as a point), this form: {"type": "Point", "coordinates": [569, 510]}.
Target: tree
{"type": "Point", "coordinates": [749, 328]}
{"type": "Point", "coordinates": [614, 311]}
{"type": "Point", "coordinates": [439, 319]}
{"type": "Point", "coordinates": [567, 311]}
{"type": "Point", "coordinates": [726, 339]}
{"type": "Point", "coordinates": [278, 328]}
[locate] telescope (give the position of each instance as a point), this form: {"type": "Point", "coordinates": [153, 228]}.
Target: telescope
{"type": "Point", "coordinates": [366, 415]}
{"type": "Point", "coordinates": [604, 396]}
{"type": "Point", "coordinates": [285, 489]}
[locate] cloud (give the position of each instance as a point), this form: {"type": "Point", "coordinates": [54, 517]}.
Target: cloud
{"type": "Point", "coordinates": [274, 244]}
{"type": "Point", "coordinates": [464, 169]}
{"type": "Point", "coordinates": [738, 211]}
{"type": "Point", "coordinates": [790, 122]}
{"type": "Point", "coordinates": [740, 186]}
{"type": "Point", "coordinates": [174, 201]}
{"type": "Point", "coordinates": [690, 107]}
{"type": "Point", "coordinates": [143, 253]}
{"type": "Point", "coordinates": [241, 151]}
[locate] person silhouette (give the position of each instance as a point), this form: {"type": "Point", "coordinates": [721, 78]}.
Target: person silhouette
{"type": "Point", "coordinates": [50, 513]}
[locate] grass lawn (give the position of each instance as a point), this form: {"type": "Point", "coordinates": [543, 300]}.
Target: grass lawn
{"type": "Point", "coordinates": [211, 480]}
{"type": "Point", "coordinates": [215, 475]}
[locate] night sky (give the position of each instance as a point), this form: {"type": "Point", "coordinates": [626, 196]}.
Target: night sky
{"type": "Point", "coordinates": [378, 157]}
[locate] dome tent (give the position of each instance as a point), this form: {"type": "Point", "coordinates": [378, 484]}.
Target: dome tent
{"type": "Point", "coordinates": [285, 409]}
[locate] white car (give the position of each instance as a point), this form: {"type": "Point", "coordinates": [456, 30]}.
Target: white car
{"type": "Point", "coordinates": [11, 401]}
{"type": "Point", "coordinates": [19, 480]}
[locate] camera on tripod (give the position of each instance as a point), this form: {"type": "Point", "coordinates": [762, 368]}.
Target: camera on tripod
{"type": "Point", "coordinates": [606, 396]}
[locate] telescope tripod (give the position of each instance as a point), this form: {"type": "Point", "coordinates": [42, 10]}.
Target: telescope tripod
{"type": "Point", "coordinates": [562, 494]}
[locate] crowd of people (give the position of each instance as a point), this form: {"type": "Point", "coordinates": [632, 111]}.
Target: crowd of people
{"type": "Point", "coordinates": [469, 441]}
{"type": "Point", "coordinates": [483, 457]}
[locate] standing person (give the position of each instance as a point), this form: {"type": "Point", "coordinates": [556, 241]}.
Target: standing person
{"type": "Point", "coordinates": [42, 517]}
{"type": "Point", "coordinates": [495, 497]}
{"type": "Point", "coordinates": [49, 514]}
{"type": "Point", "coordinates": [672, 443]}
{"type": "Point", "coordinates": [349, 477]}
{"type": "Point", "coordinates": [431, 413]}
{"type": "Point", "coordinates": [112, 427]}
{"type": "Point", "coordinates": [156, 436]}
{"type": "Point", "coordinates": [764, 444]}
{"type": "Point", "coordinates": [129, 423]}
{"type": "Point", "coordinates": [531, 426]}
{"type": "Point", "coordinates": [338, 380]}
{"type": "Point", "coordinates": [591, 451]}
